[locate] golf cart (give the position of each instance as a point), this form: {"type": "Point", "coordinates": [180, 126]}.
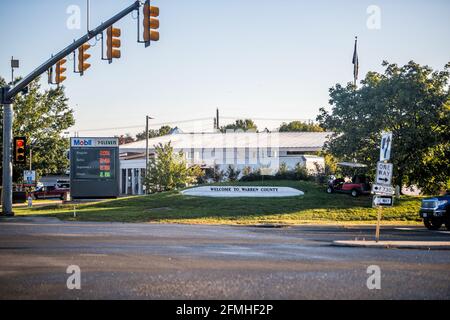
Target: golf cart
{"type": "Point", "coordinates": [356, 182]}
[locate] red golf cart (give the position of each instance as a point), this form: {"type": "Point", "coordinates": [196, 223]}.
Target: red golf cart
{"type": "Point", "coordinates": [357, 184]}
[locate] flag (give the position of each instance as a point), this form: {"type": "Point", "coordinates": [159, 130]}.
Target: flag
{"type": "Point", "coordinates": [355, 62]}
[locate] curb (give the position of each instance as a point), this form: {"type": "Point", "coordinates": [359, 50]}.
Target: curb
{"type": "Point", "coordinates": [429, 245]}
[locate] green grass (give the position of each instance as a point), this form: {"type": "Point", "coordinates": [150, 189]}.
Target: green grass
{"type": "Point", "coordinates": [171, 207]}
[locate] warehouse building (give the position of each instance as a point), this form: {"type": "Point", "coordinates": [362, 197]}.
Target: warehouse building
{"type": "Point", "coordinates": [264, 151]}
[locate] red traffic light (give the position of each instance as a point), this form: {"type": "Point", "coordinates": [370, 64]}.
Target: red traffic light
{"type": "Point", "coordinates": [20, 156]}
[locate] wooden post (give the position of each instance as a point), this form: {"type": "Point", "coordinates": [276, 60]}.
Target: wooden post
{"type": "Point", "coordinates": [377, 233]}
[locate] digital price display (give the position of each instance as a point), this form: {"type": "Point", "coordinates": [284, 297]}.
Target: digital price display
{"type": "Point", "coordinates": [94, 163]}
{"type": "Point", "coordinates": [94, 167]}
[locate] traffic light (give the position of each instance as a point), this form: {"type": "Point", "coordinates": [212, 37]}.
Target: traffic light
{"type": "Point", "coordinates": [20, 156]}
{"type": "Point", "coordinates": [82, 58]}
{"type": "Point", "coordinates": [113, 43]}
{"type": "Point", "coordinates": [60, 70]}
{"type": "Point", "coordinates": [150, 23]}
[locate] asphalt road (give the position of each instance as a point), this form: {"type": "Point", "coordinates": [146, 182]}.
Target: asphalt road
{"type": "Point", "coordinates": [153, 261]}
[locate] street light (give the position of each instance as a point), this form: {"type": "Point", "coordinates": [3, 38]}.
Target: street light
{"type": "Point", "coordinates": [147, 118]}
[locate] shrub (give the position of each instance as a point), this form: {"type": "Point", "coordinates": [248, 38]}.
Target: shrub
{"type": "Point", "coordinates": [232, 173]}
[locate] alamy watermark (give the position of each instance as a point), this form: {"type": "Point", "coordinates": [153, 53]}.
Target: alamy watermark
{"type": "Point", "coordinates": [374, 280]}
{"type": "Point", "coordinates": [374, 19]}
{"type": "Point", "coordinates": [74, 20]}
{"type": "Point", "coordinates": [74, 280]}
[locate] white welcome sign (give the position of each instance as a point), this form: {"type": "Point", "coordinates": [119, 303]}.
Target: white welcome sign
{"type": "Point", "coordinates": [242, 191]}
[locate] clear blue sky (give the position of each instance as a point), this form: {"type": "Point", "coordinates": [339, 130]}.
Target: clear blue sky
{"type": "Point", "coordinates": [261, 59]}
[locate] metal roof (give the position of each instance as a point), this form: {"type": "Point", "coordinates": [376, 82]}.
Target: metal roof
{"type": "Point", "coordinates": [310, 141]}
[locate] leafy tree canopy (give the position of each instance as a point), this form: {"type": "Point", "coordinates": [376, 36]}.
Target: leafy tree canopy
{"type": "Point", "coordinates": [124, 139]}
{"type": "Point", "coordinates": [163, 131]}
{"type": "Point", "coordinates": [298, 126]}
{"type": "Point", "coordinates": [168, 170]}
{"type": "Point", "coordinates": [413, 102]}
{"type": "Point", "coordinates": [42, 117]}
{"type": "Point", "coordinates": [244, 125]}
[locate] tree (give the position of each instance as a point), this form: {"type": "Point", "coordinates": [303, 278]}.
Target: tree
{"type": "Point", "coordinates": [298, 126]}
{"type": "Point", "coordinates": [232, 173]}
{"type": "Point", "coordinates": [163, 131]}
{"type": "Point", "coordinates": [169, 171]}
{"type": "Point", "coordinates": [244, 125]}
{"type": "Point", "coordinates": [42, 117]}
{"type": "Point", "coordinates": [413, 102]}
{"type": "Point", "coordinates": [124, 139]}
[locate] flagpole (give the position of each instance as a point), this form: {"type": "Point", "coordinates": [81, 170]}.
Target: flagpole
{"type": "Point", "coordinates": [355, 63]}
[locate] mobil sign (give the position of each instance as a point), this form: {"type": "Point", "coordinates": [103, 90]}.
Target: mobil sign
{"type": "Point", "coordinates": [94, 142]}
{"type": "Point", "coordinates": [82, 142]}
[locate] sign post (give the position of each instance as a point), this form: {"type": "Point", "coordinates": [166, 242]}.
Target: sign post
{"type": "Point", "coordinates": [382, 189]}
{"type": "Point", "coordinates": [29, 178]}
{"type": "Point", "coordinates": [377, 231]}
{"type": "Point", "coordinates": [386, 146]}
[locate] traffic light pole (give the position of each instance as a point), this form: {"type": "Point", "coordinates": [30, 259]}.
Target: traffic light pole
{"type": "Point", "coordinates": [7, 164]}
{"type": "Point", "coordinates": [8, 94]}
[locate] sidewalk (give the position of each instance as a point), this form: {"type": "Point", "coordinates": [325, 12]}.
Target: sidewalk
{"type": "Point", "coordinates": [424, 245]}
{"type": "Point", "coordinates": [38, 203]}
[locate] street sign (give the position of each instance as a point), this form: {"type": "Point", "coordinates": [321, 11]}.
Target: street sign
{"type": "Point", "coordinates": [386, 144]}
{"type": "Point", "coordinates": [29, 178]}
{"type": "Point", "coordinates": [384, 173]}
{"type": "Point", "coordinates": [383, 201]}
{"type": "Point", "coordinates": [382, 190]}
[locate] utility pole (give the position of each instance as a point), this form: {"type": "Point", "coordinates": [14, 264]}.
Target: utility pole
{"type": "Point", "coordinates": [7, 95]}
{"type": "Point", "coordinates": [217, 119]}
{"type": "Point", "coordinates": [147, 118]}
{"type": "Point", "coordinates": [88, 15]}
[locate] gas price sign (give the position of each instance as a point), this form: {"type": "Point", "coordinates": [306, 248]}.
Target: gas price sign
{"type": "Point", "coordinates": [94, 167]}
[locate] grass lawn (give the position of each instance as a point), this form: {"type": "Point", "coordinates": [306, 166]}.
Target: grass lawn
{"type": "Point", "coordinates": [316, 206]}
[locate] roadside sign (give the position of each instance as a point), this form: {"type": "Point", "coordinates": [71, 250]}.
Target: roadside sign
{"type": "Point", "coordinates": [382, 190]}
{"type": "Point", "coordinates": [29, 178]}
{"type": "Point", "coordinates": [384, 173]}
{"type": "Point", "coordinates": [386, 144]}
{"type": "Point", "coordinates": [383, 201]}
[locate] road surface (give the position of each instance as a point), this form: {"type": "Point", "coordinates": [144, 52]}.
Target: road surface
{"type": "Point", "coordinates": [166, 261]}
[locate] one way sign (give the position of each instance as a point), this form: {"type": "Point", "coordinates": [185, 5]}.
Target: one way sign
{"type": "Point", "coordinates": [386, 144]}
{"type": "Point", "coordinates": [384, 173]}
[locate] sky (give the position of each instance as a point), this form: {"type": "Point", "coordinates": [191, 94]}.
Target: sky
{"type": "Point", "coordinates": [251, 59]}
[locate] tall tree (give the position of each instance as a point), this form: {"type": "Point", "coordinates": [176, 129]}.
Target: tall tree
{"type": "Point", "coordinates": [244, 125]}
{"type": "Point", "coordinates": [413, 102]}
{"type": "Point", "coordinates": [298, 126]}
{"type": "Point", "coordinates": [168, 170]}
{"type": "Point", "coordinates": [42, 117]}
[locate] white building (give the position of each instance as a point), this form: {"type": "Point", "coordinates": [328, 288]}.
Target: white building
{"type": "Point", "coordinates": [265, 150]}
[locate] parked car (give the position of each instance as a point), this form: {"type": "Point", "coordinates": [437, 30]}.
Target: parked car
{"type": "Point", "coordinates": [63, 184]}
{"type": "Point", "coordinates": [356, 185]}
{"type": "Point", "coordinates": [436, 211]}
{"type": "Point", "coordinates": [50, 192]}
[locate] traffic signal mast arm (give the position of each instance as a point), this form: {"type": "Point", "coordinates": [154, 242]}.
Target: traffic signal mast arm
{"type": "Point", "coordinates": [9, 95]}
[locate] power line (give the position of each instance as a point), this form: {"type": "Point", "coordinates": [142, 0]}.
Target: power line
{"type": "Point", "coordinates": [143, 125]}
{"type": "Point", "coordinates": [190, 120]}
